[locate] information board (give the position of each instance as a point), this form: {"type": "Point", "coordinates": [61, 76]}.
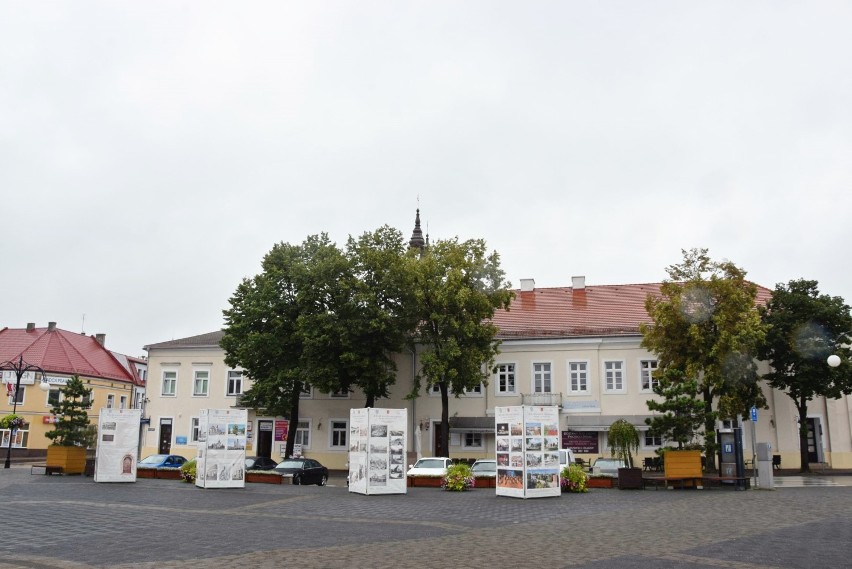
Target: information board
{"type": "Point", "coordinates": [527, 445]}
{"type": "Point", "coordinates": [118, 445]}
{"type": "Point", "coordinates": [377, 451]}
{"type": "Point", "coordinates": [221, 448]}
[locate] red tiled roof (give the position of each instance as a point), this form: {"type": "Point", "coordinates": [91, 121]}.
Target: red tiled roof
{"type": "Point", "coordinates": [601, 310]}
{"type": "Point", "coordinates": [60, 351]}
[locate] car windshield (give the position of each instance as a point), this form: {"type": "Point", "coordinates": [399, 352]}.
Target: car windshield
{"type": "Point", "coordinates": [429, 463]}
{"type": "Point", "coordinates": [153, 459]}
{"type": "Point", "coordinates": [290, 464]}
{"type": "Point", "coordinates": [485, 467]}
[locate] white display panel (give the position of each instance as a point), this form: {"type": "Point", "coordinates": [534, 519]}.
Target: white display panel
{"type": "Point", "coordinates": [378, 450]}
{"type": "Point", "coordinates": [527, 445]}
{"type": "Point", "coordinates": [118, 445]}
{"type": "Point", "coordinates": [221, 449]}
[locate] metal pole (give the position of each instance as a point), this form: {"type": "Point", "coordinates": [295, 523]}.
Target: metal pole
{"type": "Point", "coordinates": [18, 374]}
{"type": "Point", "coordinates": [754, 453]}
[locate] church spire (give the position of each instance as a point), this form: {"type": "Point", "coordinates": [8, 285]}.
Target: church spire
{"type": "Point", "coordinates": [417, 241]}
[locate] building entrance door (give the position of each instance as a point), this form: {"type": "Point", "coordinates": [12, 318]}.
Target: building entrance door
{"type": "Point", "coordinates": [814, 440]}
{"type": "Point", "coordinates": [264, 438]}
{"type": "Point", "coordinates": [437, 446]}
{"type": "Point", "coordinates": [165, 446]}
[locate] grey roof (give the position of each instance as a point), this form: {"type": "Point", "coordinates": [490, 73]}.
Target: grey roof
{"type": "Point", "coordinates": [480, 424]}
{"type": "Point", "coordinates": [208, 340]}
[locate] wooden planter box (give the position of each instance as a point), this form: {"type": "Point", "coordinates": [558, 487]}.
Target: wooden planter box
{"type": "Point", "coordinates": [485, 482]}
{"type": "Point", "coordinates": [425, 481]}
{"type": "Point", "coordinates": [604, 482]}
{"type": "Point", "coordinates": [146, 473]}
{"type": "Point", "coordinates": [264, 478]}
{"type": "Point", "coordinates": [630, 478]}
{"type": "Point", "coordinates": [168, 474]}
{"type": "Point", "coordinates": [72, 460]}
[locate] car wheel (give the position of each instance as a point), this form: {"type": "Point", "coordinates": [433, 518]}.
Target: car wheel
{"type": "Point", "coordinates": [323, 479]}
{"type": "Point", "coordinates": [297, 480]}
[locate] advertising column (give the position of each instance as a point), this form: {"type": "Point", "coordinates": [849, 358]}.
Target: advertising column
{"type": "Point", "coordinates": [377, 451]}
{"type": "Point", "coordinates": [118, 445]}
{"type": "Point", "coordinates": [527, 444]}
{"type": "Point", "coordinates": [221, 451]}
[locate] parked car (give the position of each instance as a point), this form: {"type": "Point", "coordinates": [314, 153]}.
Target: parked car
{"type": "Point", "coordinates": [607, 467]}
{"type": "Point", "coordinates": [303, 471]}
{"type": "Point", "coordinates": [485, 468]}
{"type": "Point", "coordinates": [260, 463]}
{"type": "Point", "coordinates": [430, 467]}
{"type": "Point", "coordinates": [162, 461]}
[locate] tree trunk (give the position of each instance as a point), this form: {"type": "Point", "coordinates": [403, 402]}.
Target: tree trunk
{"type": "Point", "coordinates": [371, 401]}
{"type": "Point", "coordinates": [709, 431]}
{"type": "Point", "coordinates": [445, 420]}
{"type": "Point", "coordinates": [802, 406]}
{"type": "Point", "coordinates": [294, 423]}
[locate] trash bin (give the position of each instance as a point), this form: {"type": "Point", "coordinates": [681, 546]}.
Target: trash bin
{"type": "Point", "coordinates": [765, 476]}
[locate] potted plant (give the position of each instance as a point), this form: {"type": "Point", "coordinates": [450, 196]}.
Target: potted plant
{"type": "Point", "coordinates": [72, 434]}
{"type": "Point", "coordinates": [573, 479]}
{"type": "Point", "coordinates": [459, 478]}
{"type": "Point", "coordinates": [623, 442]}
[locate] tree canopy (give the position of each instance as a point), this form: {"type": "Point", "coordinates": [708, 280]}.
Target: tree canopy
{"type": "Point", "coordinates": [705, 325]}
{"type": "Point", "coordinates": [804, 327]}
{"type": "Point", "coordinates": [72, 426]}
{"type": "Point", "coordinates": [682, 412]}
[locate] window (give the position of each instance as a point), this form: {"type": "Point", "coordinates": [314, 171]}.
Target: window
{"type": "Point", "coordinates": [647, 368]}
{"type": "Point", "coordinates": [54, 396]}
{"type": "Point", "coordinates": [169, 383]}
{"type": "Point", "coordinates": [339, 394]}
{"type": "Point", "coordinates": [339, 429]}
{"type": "Point", "coordinates": [110, 401]}
{"type": "Point", "coordinates": [303, 434]}
{"type": "Point", "coordinates": [435, 389]}
{"type": "Point", "coordinates": [505, 379]}
{"type": "Point", "coordinates": [474, 390]}
{"type": "Point", "coordinates": [16, 396]}
{"type": "Point", "coordinates": [193, 430]}
{"type": "Point", "coordinates": [653, 441]}
{"type": "Point", "coordinates": [235, 382]}
{"type": "Point", "coordinates": [578, 377]}
{"type": "Point", "coordinates": [87, 398]}
{"type": "Point", "coordinates": [20, 439]}
{"type": "Point", "coordinates": [614, 376]}
{"type": "Point", "coordinates": [122, 402]}
{"type": "Point", "coordinates": [472, 440]}
{"type": "Point", "coordinates": [541, 378]}
{"type": "Point", "coordinates": [200, 383]}
{"type": "Point", "coordinates": [307, 392]}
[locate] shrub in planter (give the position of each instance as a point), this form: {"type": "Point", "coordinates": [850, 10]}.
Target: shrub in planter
{"type": "Point", "coordinates": [12, 422]}
{"type": "Point", "coordinates": [459, 478]}
{"type": "Point", "coordinates": [574, 479]}
{"type": "Point", "coordinates": [71, 433]}
{"type": "Point", "coordinates": [188, 470]}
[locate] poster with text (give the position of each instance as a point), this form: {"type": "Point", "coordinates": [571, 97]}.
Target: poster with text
{"type": "Point", "coordinates": [377, 458]}
{"type": "Point", "coordinates": [118, 445]}
{"type": "Point", "coordinates": [527, 449]}
{"type": "Point", "coordinates": [221, 455]}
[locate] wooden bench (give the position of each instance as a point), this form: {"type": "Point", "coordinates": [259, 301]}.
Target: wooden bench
{"type": "Point", "coordinates": [45, 469]}
{"type": "Point", "coordinates": [672, 482]}
{"type": "Point", "coordinates": [683, 467]}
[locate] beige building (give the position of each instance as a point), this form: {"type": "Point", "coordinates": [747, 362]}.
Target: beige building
{"type": "Point", "coordinates": [575, 347]}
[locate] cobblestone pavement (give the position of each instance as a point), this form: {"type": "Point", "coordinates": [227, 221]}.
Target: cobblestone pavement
{"type": "Point", "coordinates": [71, 522]}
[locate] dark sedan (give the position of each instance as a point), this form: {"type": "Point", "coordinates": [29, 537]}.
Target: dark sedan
{"type": "Point", "coordinates": [303, 471]}
{"type": "Point", "coordinates": [260, 463]}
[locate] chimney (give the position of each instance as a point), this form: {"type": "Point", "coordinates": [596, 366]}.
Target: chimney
{"type": "Point", "coordinates": [578, 283]}
{"type": "Point", "coordinates": [527, 285]}
{"type": "Point", "coordinates": [100, 338]}
{"type": "Point", "coordinates": [51, 326]}
{"type": "Point", "coordinates": [30, 326]}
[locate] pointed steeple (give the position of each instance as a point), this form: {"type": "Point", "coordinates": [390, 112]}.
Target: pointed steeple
{"type": "Point", "coordinates": [417, 241]}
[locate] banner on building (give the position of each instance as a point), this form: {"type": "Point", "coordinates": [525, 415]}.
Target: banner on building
{"type": "Point", "coordinates": [118, 445]}
{"type": "Point", "coordinates": [221, 448]}
{"type": "Point", "coordinates": [377, 451]}
{"type": "Point", "coordinates": [527, 445]}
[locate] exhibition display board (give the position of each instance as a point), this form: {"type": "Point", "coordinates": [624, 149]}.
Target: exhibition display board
{"type": "Point", "coordinates": [118, 445]}
{"type": "Point", "coordinates": [377, 451]}
{"type": "Point", "coordinates": [527, 444]}
{"type": "Point", "coordinates": [221, 449]}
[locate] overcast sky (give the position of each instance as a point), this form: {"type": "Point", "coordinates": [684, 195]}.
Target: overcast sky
{"type": "Point", "coordinates": [152, 152]}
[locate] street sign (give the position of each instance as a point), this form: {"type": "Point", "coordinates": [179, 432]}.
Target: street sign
{"type": "Point", "coordinates": [754, 414]}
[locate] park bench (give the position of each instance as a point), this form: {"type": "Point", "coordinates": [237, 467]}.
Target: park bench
{"type": "Point", "coordinates": [45, 469]}
{"type": "Point", "coordinates": [682, 469]}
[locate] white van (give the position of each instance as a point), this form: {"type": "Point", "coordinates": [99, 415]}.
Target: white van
{"type": "Point", "coordinates": [566, 457]}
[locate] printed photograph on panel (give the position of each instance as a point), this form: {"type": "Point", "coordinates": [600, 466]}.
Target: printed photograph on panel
{"type": "Point", "coordinates": [378, 478]}
{"type": "Point", "coordinates": [551, 459]}
{"type": "Point", "coordinates": [237, 473]}
{"type": "Point", "coordinates": [224, 472]}
{"type": "Point", "coordinates": [378, 430]}
{"type": "Point", "coordinates": [396, 444]}
{"type": "Point", "coordinates": [516, 429]}
{"type": "Point", "coordinates": [216, 443]}
{"type": "Point", "coordinates": [517, 444]}
{"type": "Point", "coordinates": [540, 479]}
{"type": "Point", "coordinates": [397, 458]}
{"type": "Point", "coordinates": [551, 430]}
{"type": "Point", "coordinates": [212, 471]}
{"type": "Point", "coordinates": [396, 471]}
{"type": "Point", "coordinates": [502, 444]}
{"type": "Point", "coordinates": [503, 459]}
{"type": "Point", "coordinates": [236, 443]}
{"type": "Point", "coordinates": [108, 426]}
{"type": "Point", "coordinates": [533, 429]}
{"type": "Point", "coordinates": [237, 429]}
{"type": "Point", "coordinates": [378, 463]}
{"type": "Point", "coordinates": [516, 461]}
{"type": "Point", "coordinates": [127, 464]}
{"type": "Point", "coordinates": [533, 460]}
{"type": "Point", "coordinates": [502, 429]}
{"type": "Point", "coordinates": [533, 444]}
{"type": "Point", "coordinates": [551, 443]}
{"type": "Point", "coordinates": [397, 433]}
{"type": "Point", "coordinates": [510, 478]}
{"type": "Point", "coordinates": [380, 446]}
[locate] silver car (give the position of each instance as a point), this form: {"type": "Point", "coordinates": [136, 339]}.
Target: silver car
{"type": "Point", "coordinates": [607, 467]}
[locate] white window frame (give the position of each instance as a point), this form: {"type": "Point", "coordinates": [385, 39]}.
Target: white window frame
{"type": "Point", "coordinates": [339, 426]}
{"type": "Point", "coordinates": [434, 390]}
{"type": "Point", "coordinates": [654, 445]}
{"type": "Point", "coordinates": [506, 372]}
{"type": "Point", "coordinates": [303, 431]}
{"type": "Point", "coordinates": [466, 444]}
{"type": "Point", "coordinates": [20, 394]}
{"type": "Point", "coordinates": [58, 393]}
{"type": "Point", "coordinates": [173, 381]}
{"type": "Point", "coordinates": [617, 370]}
{"type": "Point", "coordinates": [205, 382]}
{"type": "Point", "coordinates": [122, 402]}
{"type": "Point", "coordinates": [584, 388]}
{"type": "Point", "coordinates": [339, 394]}
{"type": "Point", "coordinates": [547, 368]}
{"type": "Point", "coordinates": [20, 441]}
{"type": "Point", "coordinates": [307, 392]}
{"type": "Point", "coordinates": [194, 429]}
{"type": "Point", "coordinates": [110, 402]}
{"type": "Point", "coordinates": [647, 370]}
{"type": "Point", "coordinates": [475, 392]}
{"type": "Point", "coordinates": [236, 380]}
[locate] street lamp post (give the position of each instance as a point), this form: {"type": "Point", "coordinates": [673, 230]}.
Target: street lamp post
{"type": "Point", "coordinates": [20, 368]}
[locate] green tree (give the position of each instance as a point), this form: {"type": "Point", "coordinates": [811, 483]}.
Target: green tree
{"type": "Point", "coordinates": [683, 414]}
{"type": "Point", "coordinates": [72, 426]}
{"type": "Point", "coordinates": [804, 328]}
{"type": "Point", "coordinates": [457, 288]}
{"type": "Point", "coordinates": [705, 323]}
